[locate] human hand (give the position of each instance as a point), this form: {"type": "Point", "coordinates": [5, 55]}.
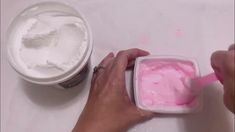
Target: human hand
{"type": "Point", "coordinates": [109, 109]}
{"type": "Point", "coordinates": [223, 64]}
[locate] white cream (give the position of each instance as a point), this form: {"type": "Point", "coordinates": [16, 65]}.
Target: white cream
{"type": "Point", "coordinates": [50, 44]}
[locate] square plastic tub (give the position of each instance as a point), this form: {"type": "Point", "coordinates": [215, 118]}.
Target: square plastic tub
{"type": "Point", "coordinates": [196, 103]}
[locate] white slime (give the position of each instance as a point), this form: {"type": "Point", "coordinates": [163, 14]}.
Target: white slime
{"type": "Point", "coordinates": [50, 44]}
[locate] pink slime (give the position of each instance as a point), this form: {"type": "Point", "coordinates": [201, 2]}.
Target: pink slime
{"type": "Point", "coordinates": [162, 83]}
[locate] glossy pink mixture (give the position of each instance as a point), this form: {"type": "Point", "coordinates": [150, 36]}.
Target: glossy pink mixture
{"type": "Point", "coordinates": [162, 82]}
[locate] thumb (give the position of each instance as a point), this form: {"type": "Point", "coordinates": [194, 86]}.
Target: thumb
{"type": "Point", "coordinates": [217, 61]}
{"type": "Point", "coordinates": [145, 115]}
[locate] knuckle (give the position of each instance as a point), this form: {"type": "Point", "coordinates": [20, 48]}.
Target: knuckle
{"type": "Point", "coordinates": [215, 56]}
{"type": "Point", "coordinates": [120, 53]}
{"type": "Point", "coordinates": [135, 49]}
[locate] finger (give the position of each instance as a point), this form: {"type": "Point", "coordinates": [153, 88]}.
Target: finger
{"type": "Point", "coordinates": [131, 63]}
{"type": "Point", "coordinates": [107, 59]}
{"type": "Point", "coordinates": [104, 63]}
{"type": "Point", "coordinates": [229, 64]}
{"type": "Point", "coordinates": [231, 47]}
{"type": "Point", "coordinates": [217, 61]}
{"type": "Point", "coordinates": [124, 57]}
{"type": "Point", "coordinates": [144, 115]}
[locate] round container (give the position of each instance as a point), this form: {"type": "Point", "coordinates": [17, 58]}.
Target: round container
{"type": "Point", "coordinates": [71, 77]}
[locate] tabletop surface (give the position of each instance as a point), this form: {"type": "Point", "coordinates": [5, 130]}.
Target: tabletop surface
{"type": "Point", "coordinates": [191, 28]}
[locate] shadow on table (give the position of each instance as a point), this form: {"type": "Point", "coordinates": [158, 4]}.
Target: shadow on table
{"type": "Point", "coordinates": [51, 97]}
{"type": "Point", "coordinates": [214, 116]}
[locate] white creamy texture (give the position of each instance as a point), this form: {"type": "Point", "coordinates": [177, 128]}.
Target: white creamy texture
{"type": "Point", "coordinates": [51, 43]}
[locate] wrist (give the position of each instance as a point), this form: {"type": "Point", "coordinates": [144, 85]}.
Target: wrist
{"type": "Point", "coordinates": [97, 128]}
{"type": "Point", "coordinates": [84, 125]}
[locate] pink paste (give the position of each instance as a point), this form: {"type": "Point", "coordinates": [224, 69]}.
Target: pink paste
{"type": "Point", "coordinates": [162, 82]}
